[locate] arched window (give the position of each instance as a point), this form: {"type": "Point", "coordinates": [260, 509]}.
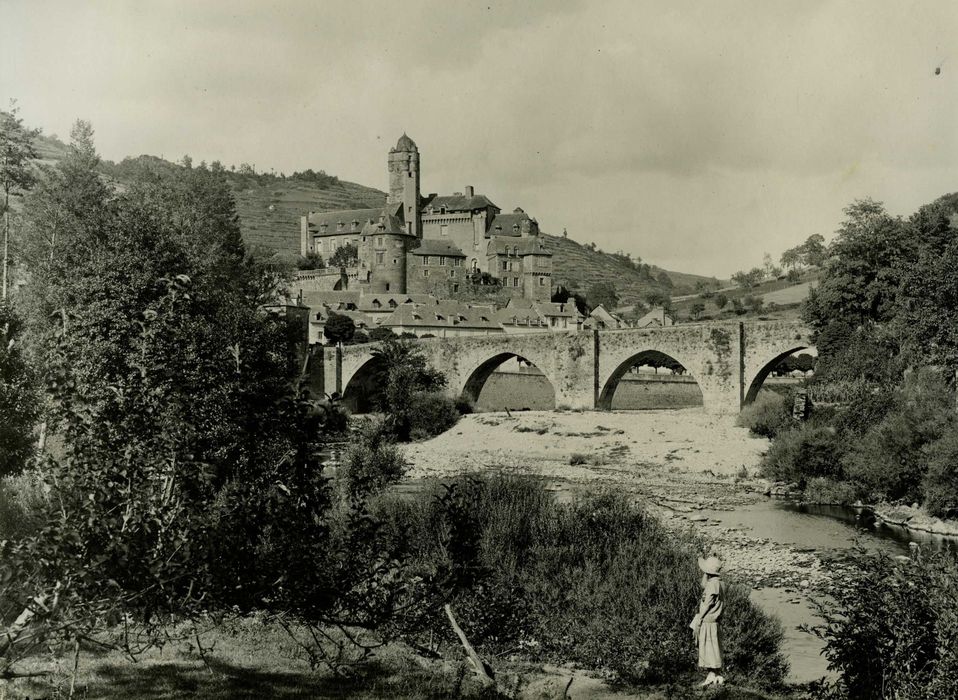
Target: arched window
{"type": "Point", "coordinates": [475, 265]}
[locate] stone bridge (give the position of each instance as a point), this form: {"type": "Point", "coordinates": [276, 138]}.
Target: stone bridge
{"type": "Point", "coordinates": [728, 359]}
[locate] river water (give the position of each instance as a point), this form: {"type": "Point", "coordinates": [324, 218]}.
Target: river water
{"type": "Point", "coordinates": [824, 529]}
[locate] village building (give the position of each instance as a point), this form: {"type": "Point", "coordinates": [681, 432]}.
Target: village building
{"type": "Point", "coordinates": [656, 318]}
{"type": "Point", "coordinates": [601, 319]}
{"type": "Point", "coordinates": [435, 244]}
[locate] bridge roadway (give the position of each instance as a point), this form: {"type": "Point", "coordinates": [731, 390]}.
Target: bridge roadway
{"type": "Point", "coordinates": [728, 359]}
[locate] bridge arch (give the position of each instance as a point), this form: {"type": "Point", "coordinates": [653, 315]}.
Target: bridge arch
{"type": "Point", "coordinates": [643, 357]}
{"type": "Point", "coordinates": [476, 379]}
{"type": "Point", "coordinates": [758, 377]}
{"type": "Point", "coordinates": [362, 385]}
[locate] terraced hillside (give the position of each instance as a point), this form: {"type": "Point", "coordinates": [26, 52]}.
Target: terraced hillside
{"type": "Point", "coordinates": [578, 266]}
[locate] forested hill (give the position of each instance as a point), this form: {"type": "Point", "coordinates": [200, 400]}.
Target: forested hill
{"type": "Point", "coordinates": [271, 205]}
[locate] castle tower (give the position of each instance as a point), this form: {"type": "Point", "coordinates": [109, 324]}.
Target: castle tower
{"type": "Point", "coordinates": [404, 183]}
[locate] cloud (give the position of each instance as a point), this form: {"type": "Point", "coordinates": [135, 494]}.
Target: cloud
{"type": "Point", "coordinates": [699, 133]}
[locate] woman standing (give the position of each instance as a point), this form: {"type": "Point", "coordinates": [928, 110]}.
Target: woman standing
{"type": "Point", "coordinates": [705, 624]}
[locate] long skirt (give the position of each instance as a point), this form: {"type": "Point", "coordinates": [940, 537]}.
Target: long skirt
{"type": "Point", "coordinates": [710, 649]}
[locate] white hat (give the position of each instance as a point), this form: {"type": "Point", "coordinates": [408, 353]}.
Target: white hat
{"type": "Point", "coordinates": [712, 565]}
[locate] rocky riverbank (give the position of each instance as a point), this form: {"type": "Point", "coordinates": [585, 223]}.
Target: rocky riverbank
{"type": "Point", "coordinates": [687, 466]}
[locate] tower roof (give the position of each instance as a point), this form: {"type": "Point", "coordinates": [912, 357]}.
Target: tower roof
{"type": "Point", "coordinates": [406, 144]}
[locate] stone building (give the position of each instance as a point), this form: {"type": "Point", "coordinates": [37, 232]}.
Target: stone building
{"type": "Point", "coordinates": [429, 244]}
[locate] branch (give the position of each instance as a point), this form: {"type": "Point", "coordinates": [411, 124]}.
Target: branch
{"type": "Point", "coordinates": [483, 670]}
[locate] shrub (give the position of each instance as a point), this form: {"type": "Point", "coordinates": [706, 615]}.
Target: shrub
{"type": "Point", "coordinates": [465, 405]}
{"type": "Point", "coordinates": [431, 413]}
{"type": "Point", "coordinates": [767, 415]}
{"type": "Point", "coordinates": [820, 489]}
{"type": "Point", "coordinates": [891, 628]}
{"type": "Point", "coordinates": [940, 485]}
{"type": "Point", "coordinates": [370, 462]}
{"type": "Point", "coordinates": [889, 459]}
{"type": "Point", "coordinates": [597, 582]}
{"type": "Point", "coordinates": [578, 458]}
{"type": "Point", "coordinates": [803, 453]}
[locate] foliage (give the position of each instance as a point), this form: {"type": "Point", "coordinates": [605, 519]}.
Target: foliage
{"type": "Point", "coordinates": [18, 396]}
{"type": "Point", "coordinates": [17, 150]}
{"type": "Point", "coordinates": [360, 336]}
{"type": "Point", "coordinates": [720, 300]}
{"type": "Point", "coordinates": [311, 261]}
{"type": "Point", "coordinates": [379, 333]}
{"type": "Point", "coordinates": [889, 460]}
{"type": "Point", "coordinates": [594, 582]}
{"type": "Point", "coordinates": [22, 505]}
{"type": "Point", "coordinates": [747, 280]}
{"type": "Point", "coordinates": [803, 453]}
{"type": "Point", "coordinates": [345, 256]}
{"type": "Point", "coordinates": [432, 413]}
{"type": "Point", "coordinates": [890, 628]}
{"type": "Point", "coordinates": [403, 374]}
{"type": "Point", "coordinates": [940, 483]}
{"type": "Point", "coordinates": [563, 295]}
{"type": "Point", "coordinates": [811, 253]}
{"type": "Point", "coordinates": [339, 328]}
{"type": "Point", "coordinates": [602, 294]}
{"type": "Point", "coordinates": [696, 310]}
{"type": "Point", "coordinates": [370, 462]}
{"type": "Point", "coordinates": [767, 415]}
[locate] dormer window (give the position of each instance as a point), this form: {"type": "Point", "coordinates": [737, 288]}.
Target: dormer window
{"type": "Point", "coordinates": [339, 226]}
{"type": "Point", "coordinates": [355, 224]}
{"type": "Point", "coordinates": [442, 210]}
{"type": "Point", "coordinates": [515, 228]}
{"type": "Point", "coordinates": [323, 226]}
{"type": "Point", "coordinates": [377, 304]}
{"type": "Point", "coordinates": [392, 304]}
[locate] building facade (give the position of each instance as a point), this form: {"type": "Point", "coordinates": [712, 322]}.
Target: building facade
{"type": "Point", "coordinates": [431, 244]}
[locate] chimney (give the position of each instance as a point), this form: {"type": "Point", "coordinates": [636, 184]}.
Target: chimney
{"type": "Point", "coordinates": [469, 190]}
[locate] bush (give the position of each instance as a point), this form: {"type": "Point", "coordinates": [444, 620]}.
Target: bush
{"type": "Point", "coordinates": [370, 462]}
{"type": "Point", "coordinates": [431, 413]}
{"type": "Point", "coordinates": [578, 458]}
{"type": "Point", "coordinates": [823, 490]}
{"type": "Point", "coordinates": [596, 582]}
{"type": "Point", "coordinates": [767, 415]}
{"type": "Point", "coordinates": [889, 459]}
{"type": "Point", "coordinates": [891, 628]}
{"type": "Point", "coordinates": [465, 405]}
{"type": "Point", "coordinates": [803, 453]}
{"type": "Point", "coordinates": [940, 485]}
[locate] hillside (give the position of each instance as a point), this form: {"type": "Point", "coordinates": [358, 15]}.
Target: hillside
{"type": "Point", "coordinates": [270, 207]}
{"type": "Point", "coordinates": [577, 266]}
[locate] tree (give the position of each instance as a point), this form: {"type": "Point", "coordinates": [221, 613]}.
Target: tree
{"type": "Point", "coordinates": [18, 396]}
{"type": "Point", "coordinates": [813, 251]}
{"type": "Point", "coordinates": [345, 256]}
{"type": "Point", "coordinates": [747, 280]}
{"type": "Point", "coordinates": [339, 328]}
{"type": "Point", "coordinates": [379, 333]}
{"type": "Point", "coordinates": [16, 176]}
{"type": "Point", "coordinates": [720, 300]}
{"type": "Point", "coordinates": [561, 295]}
{"type": "Point", "coordinates": [604, 294]}
{"type": "Point", "coordinates": [656, 298]}
{"type": "Point", "coordinates": [664, 279]}
{"type": "Point", "coordinates": [311, 261]}
{"type": "Point", "coordinates": [696, 310]}
{"type": "Point", "coordinates": [404, 373]}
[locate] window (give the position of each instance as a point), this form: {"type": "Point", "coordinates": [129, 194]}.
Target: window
{"type": "Point", "coordinates": [555, 321]}
{"type": "Point", "coordinates": [515, 281]}
{"type": "Point", "coordinates": [387, 286]}
{"type": "Point", "coordinates": [458, 262]}
{"type": "Point", "coordinates": [425, 259]}
{"type": "Point", "coordinates": [505, 265]}
{"type": "Point", "coordinates": [380, 241]}
{"type": "Point", "coordinates": [455, 288]}
{"type": "Point", "coordinates": [425, 273]}
{"type": "Point", "coordinates": [443, 230]}
{"type": "Point", "coordinates": [442, 259]}
{"type": "Point", "coordinates": [542, 281]}
{"type": "Point", "coordinates": [442, 210]}
{"type": "Point", "coordinates": [475, 265]}
{"type": "Point", "coordinates": [379, 258]}
{"type": "Point", "coordinates": [452, 273]}
{"type": "Point", "coordinates": [515, 250]}
{"type": "Point", "coordinates": [395, 261]}
{"type": "Point", "coordinates": [339, 226]}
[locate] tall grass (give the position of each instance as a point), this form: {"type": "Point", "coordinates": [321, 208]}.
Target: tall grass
{"type": "Point", "coordinates": [597, 582]}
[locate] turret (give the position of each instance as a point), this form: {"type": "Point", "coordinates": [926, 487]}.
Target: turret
{"type": "Point", "coordinates": [404, 183]}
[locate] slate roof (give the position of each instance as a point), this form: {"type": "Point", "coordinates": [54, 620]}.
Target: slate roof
{"type": "Point", "coordinates": [433, 246]}
{"type": "Point", "coordinates": [406, 144]}
{"type": "Point", "coordinates": [446, 315]}
{"type": "Point", "coordinates": [529, 245]}
{"type": "Point", "coordinates": [511, 224]}
{"type": "Point", "coordinates": [337, 298]}
{"type": "Point", "coordinates": [368, 301]}
{"type": "Point", "coordinates": [458, 202]}
{"type": "Point", "coordinates": [347, 217]}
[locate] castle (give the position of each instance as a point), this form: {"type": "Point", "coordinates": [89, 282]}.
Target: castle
{"type": "Point", "coordinates": [439, 244]}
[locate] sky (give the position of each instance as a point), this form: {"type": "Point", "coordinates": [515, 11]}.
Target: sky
{"type": "Point", "coordinates": [695, 135]}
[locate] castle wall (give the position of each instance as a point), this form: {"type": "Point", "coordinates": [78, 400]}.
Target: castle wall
{"type": "Point", "coordinates": [466, 231]}
{"type": "Point", "coordinates": [385, 257]}
{"type": "Point", "coordinates": [442, 281]}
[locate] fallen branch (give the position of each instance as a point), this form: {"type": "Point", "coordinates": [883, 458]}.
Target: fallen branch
{"type": "Point", "coordinates": [482, 669]}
